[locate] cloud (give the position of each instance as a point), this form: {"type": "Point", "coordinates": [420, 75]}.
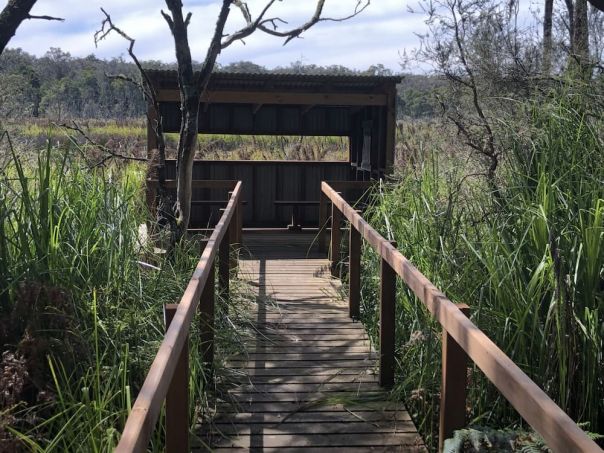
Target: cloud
{"type": "Point", "coordinates": [375, 36]}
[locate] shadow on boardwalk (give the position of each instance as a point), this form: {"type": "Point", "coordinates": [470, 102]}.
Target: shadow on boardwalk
{"type": "Point", "coordinates": [308, 378]}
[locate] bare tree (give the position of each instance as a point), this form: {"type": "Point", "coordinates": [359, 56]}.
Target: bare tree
{"type": "Point", "coordinates": [578, 24]}
{"type": "Point", "coordinates": [192, 85]}
{"type": "Point", "coordinates": [580, 39]}
{"type": "Point", "coordinates": [15, 12]}
{"type": "Point", "coordinates": [547, 35]}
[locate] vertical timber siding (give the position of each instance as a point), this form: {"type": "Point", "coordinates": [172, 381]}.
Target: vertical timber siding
{"type": "Point", "coordinates": [264, 182]}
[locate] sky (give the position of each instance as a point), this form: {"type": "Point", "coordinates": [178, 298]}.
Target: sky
{"type": "Point", "coordinates": [378, 35]}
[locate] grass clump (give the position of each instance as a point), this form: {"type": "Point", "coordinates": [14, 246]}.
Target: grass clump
{"type": "Point", "coordinates": [129, 138]}
{"type": "Point", "coordinates": [529, 262]}
{"type": "Point", "coordinates": [80, 318]}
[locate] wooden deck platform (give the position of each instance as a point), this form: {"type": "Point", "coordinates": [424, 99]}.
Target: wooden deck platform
{"type": "Point", "coordinates": [310, 372]}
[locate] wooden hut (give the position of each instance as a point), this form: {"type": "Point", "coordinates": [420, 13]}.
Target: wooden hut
{"type": "Point", "coordinates": [362, 108]}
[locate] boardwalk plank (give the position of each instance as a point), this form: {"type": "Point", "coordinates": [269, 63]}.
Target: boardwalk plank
{"type": "Point", "coordinates": [308, 379]}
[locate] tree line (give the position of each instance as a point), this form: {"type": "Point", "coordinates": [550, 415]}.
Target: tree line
{"type": "Point", "coordinates": [60, 86]}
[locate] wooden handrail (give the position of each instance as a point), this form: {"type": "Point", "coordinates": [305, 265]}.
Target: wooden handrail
{"type": "Point", "coordinates": [146, 409]}
{"type": "Point", "coordinates": [340, 186]}
{"type": "Point", "coordinates": [558, 430]}
{"type": "Point", "coordinates": [199, 183]}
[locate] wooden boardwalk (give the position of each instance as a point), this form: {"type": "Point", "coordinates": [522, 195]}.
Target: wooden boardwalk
{"type": "Point", "coordinates": [310, 373]}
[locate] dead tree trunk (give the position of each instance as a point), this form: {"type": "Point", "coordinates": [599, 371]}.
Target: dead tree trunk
{"type": "Point", "coordinates": [15, 12]}
{"type": "Point", "coordinates": [191, 87]}
{"type": "Point", "coordinates": [547, 36]}
{"type": "Point", "coordinates": [581, 32]}
{"type": "Point", "coordinates": [578, 26]}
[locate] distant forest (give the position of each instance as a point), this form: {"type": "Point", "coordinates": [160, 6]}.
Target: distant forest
{"type": "Point", "coordinates": [59, 86]}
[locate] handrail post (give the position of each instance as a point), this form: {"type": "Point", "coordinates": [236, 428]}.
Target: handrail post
{"type": "Point", "coordinates": [454, 385]}
{"type": "Point", "coordinates": [239, 223]}
{"type": "Point", "coordinates": [323, 200]}
{"type": "Point", "coordinates": [354, 273]}
{"type": "Point", "coordinates": [336, 238]}
{"type": "Point", "coordinates": [387, 322]}
{"type": "Point", "coordinates": [206, 318]}
{"type": "Point", "coordinates": [177, 398]}
{"type": "Point", "coordinates": [233, 238]}
{"type": "Point", "coordinates": [233, 243]}
{"type": "Point", "coordinates": [150, 194]}
{"type": "Point", "coordinates": [224, 261]}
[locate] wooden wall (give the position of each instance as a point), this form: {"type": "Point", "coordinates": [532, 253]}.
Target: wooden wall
{"type": "Point", "coordinates": [264, 182]}
{"type": "Point", "coordinates": [263, 120]}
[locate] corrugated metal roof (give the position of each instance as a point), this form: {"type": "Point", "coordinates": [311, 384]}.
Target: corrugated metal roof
{"type": "Point", "coordinates": [242, 77]}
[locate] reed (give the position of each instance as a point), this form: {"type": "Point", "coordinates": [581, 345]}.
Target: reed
{"type": "Point", "coordinates": [80, 317]}
{"type": "Point", "coordinates": [530, 264]}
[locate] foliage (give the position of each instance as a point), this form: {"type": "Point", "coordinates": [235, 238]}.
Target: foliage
{"type": "Point", "coordinates": [61, 87]}
{"type": "Point", "coordinates": [530, 264]}
{"type": "Point", "coordinates": [80, 316]}
{"type": "Point", "coordinates": [129, 137]}
{"type": "Point", "coordinates": [480, 439]}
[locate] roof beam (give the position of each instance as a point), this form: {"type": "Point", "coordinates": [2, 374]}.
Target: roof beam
{"type": "Point", "coordinates": [269, 97]}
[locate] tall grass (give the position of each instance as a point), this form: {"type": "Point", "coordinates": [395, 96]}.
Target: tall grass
{"type": "Point", "coordinates": [130, 135]}
{"type": "Point", "coordinates": [530, 265]}
{"type": "Point", "coordinates": [80, 318]}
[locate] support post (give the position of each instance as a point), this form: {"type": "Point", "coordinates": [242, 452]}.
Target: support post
{"type": "Point", "coordinates": [354, 273]}
{"type": "Point", "coordinates": [239, 222]}
{"type": "Point", "coordinates": [387, 323]}
{"type": "Point", "coordinates": [177, 398]}
{"type": "Point", "coordinates": [336, 239]}
{"type": "Point", "coordinates": [390, 132]}
{"type": "Point", "coordinates": [150, 194]}
{"type": "Point", "coordinates": [454, 385]}
{"type": "Point", "coordinates": [224, 264]}
{"type": "Point", "coordinates": [206, 319]}
{"type": "Point", "coordinates": [233, 243]}
{"type": "Point", "coordinates": [152, 119]}
{"type": "Point", "coordinates": [231, 237]}
{"type": "Point", "coordinates": [322, 223]}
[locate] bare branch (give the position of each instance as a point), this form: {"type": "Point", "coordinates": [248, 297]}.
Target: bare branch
{"type": "Point", "coordinates": [60, 19]}
{"type": "Point", "coordinates": [270, 25]}
{"type": "Point", "coordinates": [168, 19]}
{"type": "Point", "coordinates": [251, 26]}
{"type": "Point", "coordinates": [147, 88]}
{"type": "Point", "coordinates": [110, 154]}
{"type": "Point", "coordinates": [215, 46]}
{"type": "Point", "coordinates": [107, 26]}
{"type": "Point", "coordinates": [125, 78]}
